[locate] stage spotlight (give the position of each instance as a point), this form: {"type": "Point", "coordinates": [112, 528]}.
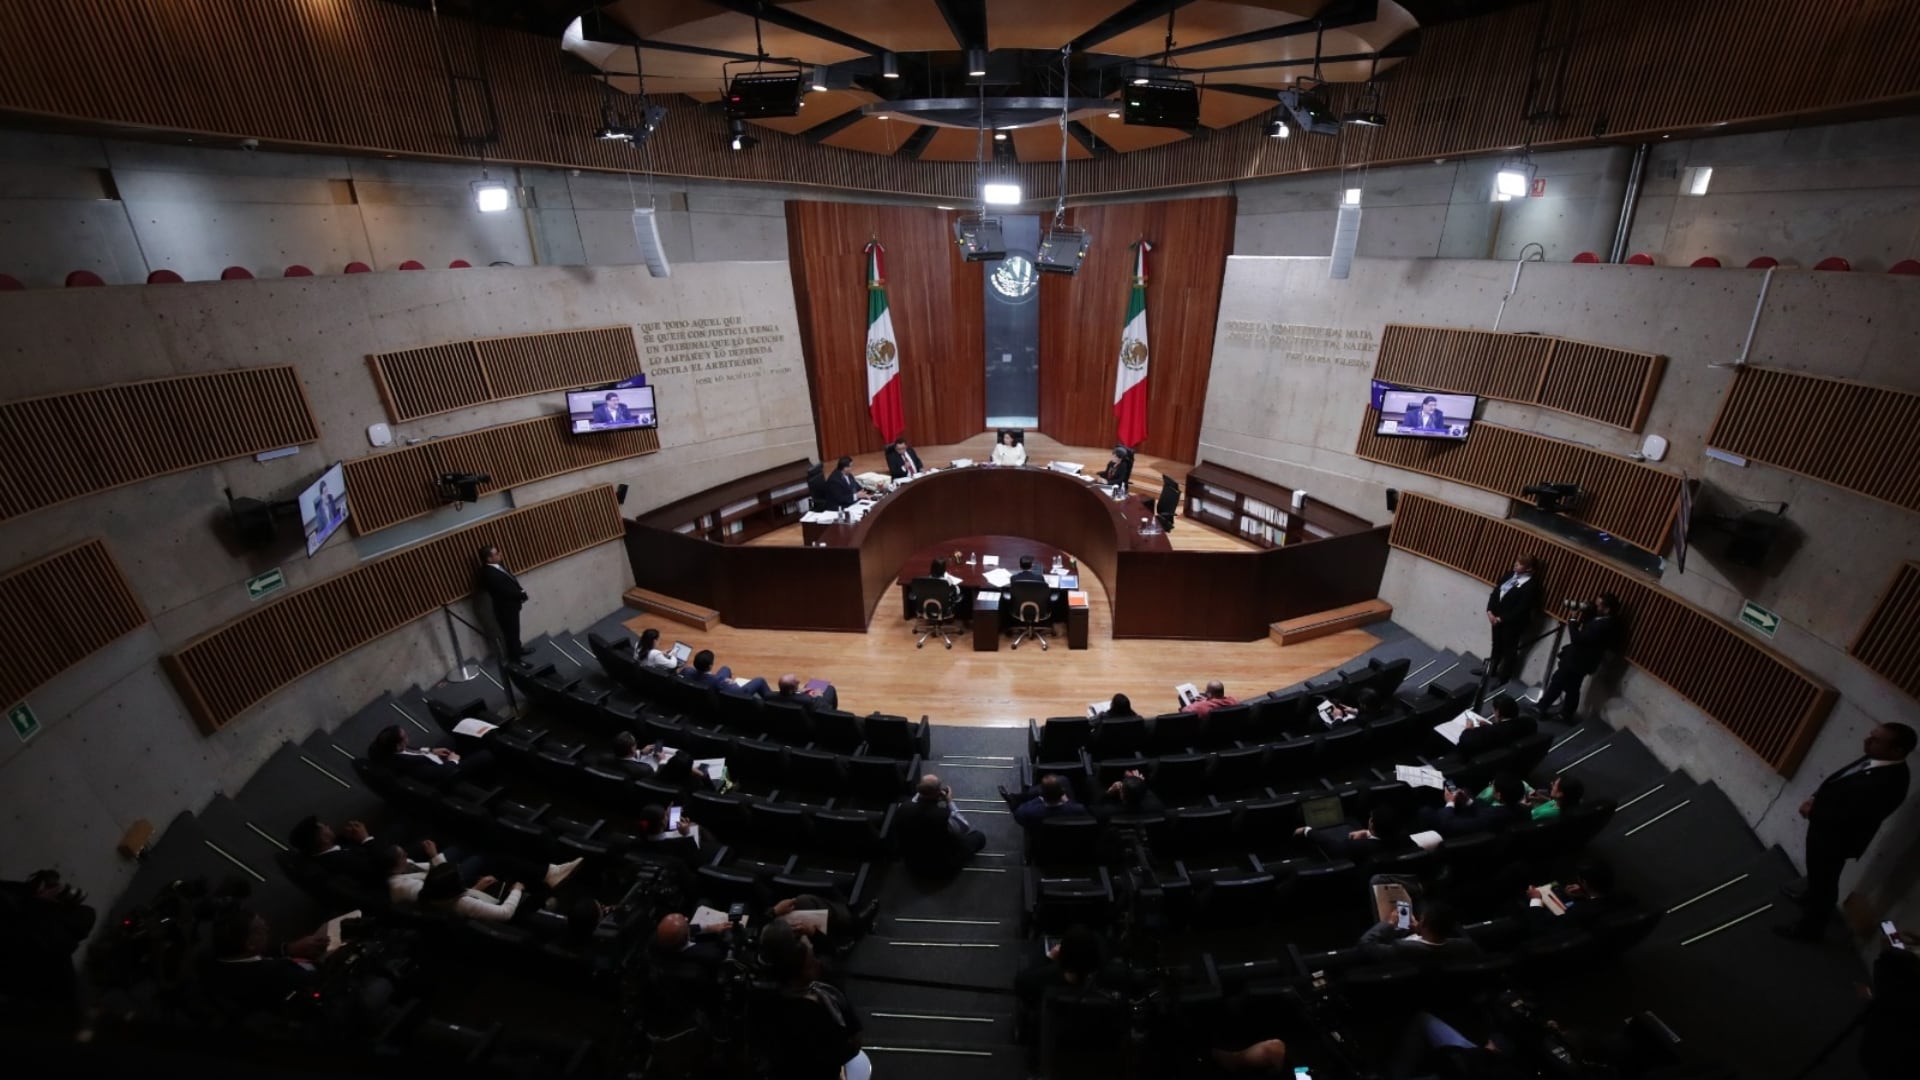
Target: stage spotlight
{"type": "Point", "coordinates": [1000, 192]}
{"type": "Point", "coordinates": [1513, 179]}
{"type": "Point", "coordinates": [491, 196]}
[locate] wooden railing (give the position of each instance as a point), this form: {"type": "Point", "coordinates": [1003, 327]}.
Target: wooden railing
{"type": "Point", "coordinates": [60, 610]}
{"type": "Point", "coordinates": [1768, 702]}
{"type": "Point", "coordinates": [223, 673]}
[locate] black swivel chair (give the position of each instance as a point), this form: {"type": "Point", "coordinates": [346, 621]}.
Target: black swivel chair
{"type": "Point", "coordinates": [1032, 603]}
{"type": "Point", "coordinates": [817, 489]}
{"type": "Point", "coordinates": [932, 600]}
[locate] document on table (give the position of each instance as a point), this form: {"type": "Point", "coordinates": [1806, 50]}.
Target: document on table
{"type": "Point", "coordinates": [474, 727]}
{"type": "Point", "coordinates": [820, 517]}
{"type": "Point", "coordinates": [706, 916]}
{"type": "Point", "coordinates": [1426, 841]}
{"type": "Point", "coordinates": [998, 577]}
{"type": "Point", "coordinates": [1452, 729]}
{"type": "Point", "coordinates": [1071, 468]}
{"type": "Point", "coordinates": [1420, 776]}
{"type": "Point", "coordinates": [989, 560]}
{"type": "Point", "coordinates": [1053, 580]}
{"type": "Point", "coordinates": [1077, 598]}
{"type": "Point", "coordinates": [951, 580]}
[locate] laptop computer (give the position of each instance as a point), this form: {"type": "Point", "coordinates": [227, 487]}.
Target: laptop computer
{"type": "Point", "coordinates": [1322, 811]}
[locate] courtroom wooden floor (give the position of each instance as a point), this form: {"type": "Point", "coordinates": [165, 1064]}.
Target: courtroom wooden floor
{"type": "Point", "coordinates": [882, 669]}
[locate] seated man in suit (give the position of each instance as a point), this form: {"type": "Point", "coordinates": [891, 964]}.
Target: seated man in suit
{"type": "Point", "coordinates": [1506, 726]}
{"type": "Point", "coordinates": [435, 766]}
{"type": "Point", "coordinates": [1433, 939]}
{"type": "Point", "coordinates": [1425, 416]}
{"type": "Point", "coordinates": [611, 411]}
{"type": "Point", "coordinates": [1366, 706]}
{"type": "Point", "coordinates": [1586, 895]}
{"type": "Point", "coordinates": [683, 972]}
{"type": "Point", "coordinates": [1127, 795]}
{"type": "Point", "coordinates": [701, 672]}
{"type": "Point", "coordinates": [934, 839]}
{"type": "Point", "coordinates": [1463, 814]}
{"type": "Point", "coordinates": [633, 759]}
{"type": "Point", "coordinates": [1048, 799]}
{"type": "Point", "coordinates": [1383, 836]}
{"type": "Point", "coordinates": [902, 462]}
{"type": "Point", "coordinates": [248, 973]}
{"type": "Point", "coordinates": [351, 853]}
{"type": "Point", "coordinates": [791, 690]}
{"type": "Point", "coordinates": [683, 841]}
{"type": "Point", "coordinates": [1027, 572]}
{"type": "Point", "coordinates": [840, 489]}
{"type": "Point", "coordinates": [1215, 697]}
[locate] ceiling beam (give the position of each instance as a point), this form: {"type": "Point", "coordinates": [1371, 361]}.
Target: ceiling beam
{"type": "Point", "coordinates": [828, 128]}
{"type": "Point", "coordinates": [916, 142]}
{"type": "Point", "coordinates": [1139, 13]}
{"type": "Point", "coordinates": [1305, 61]}
{"type": "Point", "coordinates": [1094, 144]}
{"type": "Point", "coordinates": [1335, 17]}
{"type": "Point", "coordinates": [966, 21]}
{"type": "Point", "coordinates": [781, 17]}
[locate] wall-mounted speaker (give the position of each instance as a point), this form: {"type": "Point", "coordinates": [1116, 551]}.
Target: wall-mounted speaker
{"type": "Point", "coordinates": [1393, 499]}
{"type": "Point", "coordinates": [646, 233]}
{"type": "Point", "coordinates": [620, 494]}
{"type": "Point", "coordinates": [1346, 237]}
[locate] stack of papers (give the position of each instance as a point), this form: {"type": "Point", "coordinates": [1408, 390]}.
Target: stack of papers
{"type": "Point", "coordinates": [1071, 468]}
{"type": "Point", "coordinates": [820, 517]}
{"type": "Point", "coordinates": [1427, 841]}
{"type": "Point", "coordinates": [1077, 598]}
{"type": "Point", "coordinates": [1420, 776]}
{"type": "Point", "coordinates": [951, 580]}
{"type": "Point", "coordinates": [959, 463]}
{"type": "Point", "coordinates": [1452, 729]}
{"type": "Point", "coordinates": [998, 577]}
{"type": "Point", "coordinates": [473, 727]}
{"type": "Point", "coordinates": [716, 767]}
{"type": "Point", "coordinates": [989, 560]}
{"type": "Point", "coordinates": [1053, 580]}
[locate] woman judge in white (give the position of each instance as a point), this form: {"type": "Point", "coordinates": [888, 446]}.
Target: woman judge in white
{"type": "Point", "coordinates": [1009, 452]}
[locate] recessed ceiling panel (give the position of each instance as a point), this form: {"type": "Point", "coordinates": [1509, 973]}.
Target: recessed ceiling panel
{"type": "Point", "coordinates": [1044, 24]}
{"type": "Point", "coordinates": [900, 25]}
{"type": "Point", "coordinates": [954, 144]}
{"type": "Point", "coordinates": [734, 33]}
{"type": "Point", "coordinates": [1042, 143]}
{"type": "Point", "coordinates": [872, 135]}
{"type": "Point", "coordinates": [648, 17]}
{"type": "Point", "coordinates": [1126, 137]}
{"type": "Point", "coordinates": [1209, 20]}
{"type": "Point", "coordinates": [1218, 109]}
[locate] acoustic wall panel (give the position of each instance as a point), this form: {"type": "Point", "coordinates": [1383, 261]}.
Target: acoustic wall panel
{"type": "Point", "coordinates": [1848, 434]}
{"type": "Point", "coordinates": [387, 489]}
{"type": "Point", "coordinates": [61, 609]}
{"type": "Point", "coordinates": [1889, 643]}
{"type": "Point", "coordinates": [1767, 702]}
{"type": "Point", "coordinates": [63, 446]}
{"type": "Point", "coordinates": [1632, 501]}
{"type": "Point", "coordinates": [226, 671]}
{"type": "Point", "coordinates": [1613, 386]}
{"type": "Point", "coordinates": [459, 375]}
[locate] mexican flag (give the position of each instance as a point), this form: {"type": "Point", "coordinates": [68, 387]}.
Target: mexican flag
{"type": "Point", "coordinates": [1130, 377]}
{"type": "Point", "coordinates": [883, 354]}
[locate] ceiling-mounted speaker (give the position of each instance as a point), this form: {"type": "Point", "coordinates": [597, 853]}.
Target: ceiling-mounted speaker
{"type": "Point", "coordinates": [1751, 536]}
{"type": "Point", "coordinates": [1346, 237]}
{"type": "Point", "coordinates": [646, 233]}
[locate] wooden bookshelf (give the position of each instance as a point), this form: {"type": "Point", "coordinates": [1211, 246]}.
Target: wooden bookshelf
{"type": "Point", "coordinates": [1260, 512]}
{"type": "Point", "coordinates": [740, 511]}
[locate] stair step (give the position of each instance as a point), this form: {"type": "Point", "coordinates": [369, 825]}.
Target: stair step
{"type": "Point", "coordinates": [906, 955]}
{"type": "Point", "coordinates": [684, 612]}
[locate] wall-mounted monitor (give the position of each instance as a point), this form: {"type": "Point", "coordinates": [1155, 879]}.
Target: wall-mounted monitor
{"type": "Point", "coordinates": [1425, 414]}
{"type": "Point", "coordinates": [323, 507]}
{"type": "Point", "coordinates": [590, 412]}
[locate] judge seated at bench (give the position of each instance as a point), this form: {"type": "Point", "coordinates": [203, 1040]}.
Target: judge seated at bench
{"type": "Point", "coordinates": [1010, 450]}
{"type": "Point", "coordinates": [902, 461]}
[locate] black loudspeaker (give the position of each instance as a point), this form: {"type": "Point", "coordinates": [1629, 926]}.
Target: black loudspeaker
{"type": "Point", "coordinates": [620, 494]}
{"type": "Point", "coordinates": [253, 524]}
{"type": "Point", "coordinates": [1750, 537]}
{"type": "Point", "coordinates": [1393, 499]}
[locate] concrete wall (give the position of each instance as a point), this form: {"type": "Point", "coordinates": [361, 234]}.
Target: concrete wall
{"type": "Point", "coordinates": [1798, 195]}
{"type": "Point", "coordinates": [122, 209]}
{"type": "Point", "coordinates": [116, 744]}
{"type": "Point", "coordinates": [1283, 406]}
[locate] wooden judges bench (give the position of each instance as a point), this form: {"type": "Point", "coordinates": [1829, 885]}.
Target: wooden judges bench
{"type": "Point", "coordinates": [694, 549]}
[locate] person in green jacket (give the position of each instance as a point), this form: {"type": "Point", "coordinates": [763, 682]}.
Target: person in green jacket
{"type": "Point", "coordinates": [1565, 794]}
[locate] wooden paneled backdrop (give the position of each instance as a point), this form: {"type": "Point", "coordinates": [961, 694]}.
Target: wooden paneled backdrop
{"type": "Point", "coordinates": [1768, 702]}
{"type": "Point", "coordinates": [64, 446]}
{"type": "Point", "coordinates": [1634, 502]}
{"type": "Point", "coordinates": [1852, 435]}
{"type": "Point", "coordinates": [366, 75]}
{"type": "Point", "coordinates": [1613, 386]}
{"type": "Point", "coordinates": [61, 610]}
{"type": "Point", "coordinates": [387, 489]}
{"type": "Point", "coordinates": [461, 374]}
{"type": "Point", "coordinates": [939, 321]}
{"type": "Point", "coordinates": [1081, 318]}
{"type": "Point", "coordinates": [1889, 643]}
{"type": "Point", "coordinates": [224, 672]}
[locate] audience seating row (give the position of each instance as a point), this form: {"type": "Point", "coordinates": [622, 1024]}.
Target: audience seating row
{"type": "Point", "coordinates": [1762, 262]}
{"type": "Point", "coordinates": [86, 278]}
{"type": "Point", "coordinates": [876, 734]}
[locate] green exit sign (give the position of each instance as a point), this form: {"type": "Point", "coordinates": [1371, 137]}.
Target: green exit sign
{"type": "Point", "coordinates": [25, 724]}
{"type": "Point", "coordinates": [1755, 617]}
{"type": "Point", "coordinates": [262, 584]}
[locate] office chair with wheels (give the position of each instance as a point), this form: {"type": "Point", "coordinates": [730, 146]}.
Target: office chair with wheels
{"type": "Point", "coordinates": [1032, 610]}
{"type": "Point", "coordinates": [932, 598]}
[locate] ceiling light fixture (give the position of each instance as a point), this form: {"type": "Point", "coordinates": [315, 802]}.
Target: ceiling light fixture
{"type": "Point", "coordinates": [1114, 115]}
{"type": "Point", "coordinates": [976, 62]}
{"type": "Point", "coordinates": [999, 136]}
{"type": "Point", "coordinates": [1351, 197]}
{"type": "Point", "coordinates": [1000, 192]}
{"type": "Point", "coordinates": [739, 139]}
{"type": "Point", "coordinates": [491, 196]}
{"type": "Point", "coordinates": [1278, 129]}
{"type": "Point", "coordinates": [819, 80]}
{"type": "Point", "coordinates": [1513, 180]}
{"type": "Point", "coordinates": [889, 66]}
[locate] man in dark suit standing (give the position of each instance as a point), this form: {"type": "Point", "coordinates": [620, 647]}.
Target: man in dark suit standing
{"type": "Point", "coordinates": [1510, 608]}
{"type": "Point", "coordinates": [1842, 815]}
{"type": "Point", "coordinates": [504, 590]}
{"type": "Point", "coordinates": [902, 461]}
{"type": "Point", "coordinates": [1593, 632]}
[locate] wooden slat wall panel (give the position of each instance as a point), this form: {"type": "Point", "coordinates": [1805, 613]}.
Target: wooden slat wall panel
{"type": "Point", "coordinates": [537, 363]}
{"type": "Point", "coordinates": [62, 609]}
{"type": "Point", "coordinates": [387, 489]}
{"type": "Point", "coordinates": [64, 446]}
{"type": "Point", "coordinates": [461, 374]}
{"type": "Point", "coordinates": [225, 672]}
{"type": "Point", "coordinates": [1764, 699]}
{"type": "Point", "coordinates": [433, 379]}
{"type": "Point", "coordinates": [365, 74]}
{"type": "Point", "coordinates": [1613, 386]}
{"type": "Point", "coordinates": [1889, 643]}
{"type": "Point", "coordinates": [1848, 434]}
{"type": "Point", "coordinates": [1634, 502]}
{"type": "Point", "coordinates": [939, 321]}
{"type": "Point", "coordinates": [1081, 318]}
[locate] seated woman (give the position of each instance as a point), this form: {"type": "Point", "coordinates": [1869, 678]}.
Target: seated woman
{"type": "Point", "coordinates": [1119, 468]}
{"type": "Point", "coordinates": [1120, 708]}
{"type": "Point", "coordinates": [1008, 451]}
{"type": "Point", "coordinates": [650, 655]}
{"type": "Point", "coordinates": [1565, 794]}
{"type": "Point", "coordinates": [442, 892]}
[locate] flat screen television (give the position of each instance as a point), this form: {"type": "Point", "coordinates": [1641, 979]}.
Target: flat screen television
{"type": "Point", "coordinates": [323, 507]}
{"type": "Point", "coordinates": [1426, 414]}
{"type": "Point", "coordinates": [610, 409]}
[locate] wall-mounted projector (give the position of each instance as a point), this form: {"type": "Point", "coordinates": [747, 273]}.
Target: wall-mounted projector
{"type": "Point", "coordinates": [1310, 111]}
{"type": "Point", "coordinates": [763, 94]}
{"type": "Point", "coordinates": [980, 238]}
{"type": "Point", "coordinates": [1168, 103]}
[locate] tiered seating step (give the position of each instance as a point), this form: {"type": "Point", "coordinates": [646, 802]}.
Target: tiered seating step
{"type": "Point", "coordinates": [667, 607]}
{"type": "Point", "coordinates": [1332, 621]}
